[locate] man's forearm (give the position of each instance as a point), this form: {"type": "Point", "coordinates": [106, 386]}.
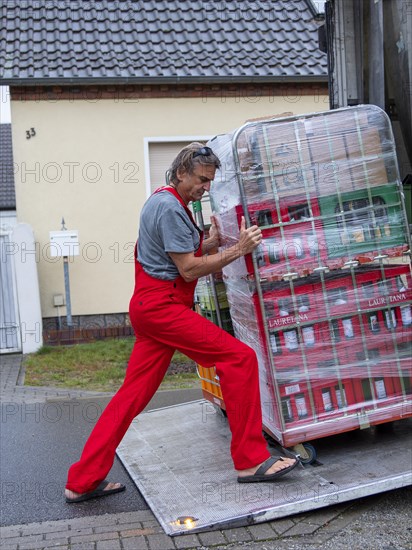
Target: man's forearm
{"type": "Point", "coordinates": [201, 266]}
{"type": "Point", "coordinates": [209, 244]}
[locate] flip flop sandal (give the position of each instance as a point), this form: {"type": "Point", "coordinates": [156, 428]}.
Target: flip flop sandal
{"type": "Point", "coordinates": [100, 491]}
{"type": "Point", "coordinates": [259, 475]}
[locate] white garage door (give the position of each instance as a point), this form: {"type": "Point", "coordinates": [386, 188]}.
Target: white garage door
{"type": "Point", "coordinates": [161, 155]}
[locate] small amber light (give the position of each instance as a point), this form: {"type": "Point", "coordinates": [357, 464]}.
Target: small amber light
{"type": "Point", "coordinates": [188, 521]}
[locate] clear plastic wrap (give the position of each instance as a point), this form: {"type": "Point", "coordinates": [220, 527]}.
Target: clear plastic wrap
{"type": "Point", "coordinates": [326, 300]}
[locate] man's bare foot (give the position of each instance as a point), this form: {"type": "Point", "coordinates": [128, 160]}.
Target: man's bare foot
{"type": "Point", "coordinates": [282, 464]}
{"type": "Point", "coordinates": [104, 489]}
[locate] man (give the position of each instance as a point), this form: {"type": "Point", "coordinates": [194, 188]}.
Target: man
{"type": "Point", "coordinates": [171, 256]}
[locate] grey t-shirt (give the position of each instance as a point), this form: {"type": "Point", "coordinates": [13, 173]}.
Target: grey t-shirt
{"type": "Point", "coordinates": [164, 227]}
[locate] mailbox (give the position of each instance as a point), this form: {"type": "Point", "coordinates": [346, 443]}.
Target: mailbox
{"type": "Point", "coordinates": [64, 243]}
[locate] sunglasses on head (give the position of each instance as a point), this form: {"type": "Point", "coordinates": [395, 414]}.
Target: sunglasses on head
{"type": "Point", "coordinates": [203, 152]}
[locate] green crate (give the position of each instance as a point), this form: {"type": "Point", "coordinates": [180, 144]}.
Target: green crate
{"type": "Point", "coordinates": [205, 296]}
{"type": "Point", "coordinates": [363, 220]}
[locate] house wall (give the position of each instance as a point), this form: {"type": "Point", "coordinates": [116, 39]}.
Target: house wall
{"type": "Point", "coordinates": [84, 161]}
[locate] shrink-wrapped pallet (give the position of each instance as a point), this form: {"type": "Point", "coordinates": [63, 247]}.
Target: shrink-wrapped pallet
{"type": "Point", "coordinates": [325, 301]}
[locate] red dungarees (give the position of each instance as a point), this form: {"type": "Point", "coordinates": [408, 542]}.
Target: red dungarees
{"type": "Point", "coordinates": [163, 320]}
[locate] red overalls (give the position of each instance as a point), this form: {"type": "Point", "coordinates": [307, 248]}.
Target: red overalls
{"type": "Point", "coordinates": [163, 320]}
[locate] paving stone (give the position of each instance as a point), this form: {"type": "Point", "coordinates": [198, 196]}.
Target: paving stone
{"type": "Point", "coordinates": [135, 543]}
{"type": "Point", "coordinates": [66, 534]}
{"type": "Point", "coordinates": [154, 525]}
{"type": "Point", "coordinates": [84, 531]}
{"type": "Point", "coordinates": [139, 515]}
{"type": "Point", "coordinates": [325, 515]}
{"type": "Point", "coordinates": [9, 532]}
{"type": "Point", "coordinates": [32, 545]}
{"type": "Point", "coordinates": [115, 527]}
{"type": "Point", "coordinates": [11, 541]}
{"type": "Point", "coordinates": [4, 545]}
{"type": "Point", "coordinates": [94, 538]}
{"type": "Point", "coordinates": [281, 525]}
{"type": "Point", "coordinates": [83, 546]}
{"type": "Point", "coordinates": [132, 525]}
{"type": "Point", "coordinates": [30, 538]}
{"type": "Point", "coordinates": [137, 533]}
{"type": "Point", "coordinates": [239, 534]}
{"type": "Point", "coordinates": [186, 541]}
{"type": "Point", "coordinates": [108, 545]}
{"type": "Point", "coordinates": [302, 528]}
{"type": "Point", "coordinates": [93, 521]}
{"type": "Point", "coordinates": [47, 528]}
{"type": "Point", "coordinates": [160, 542]}
{"type": "Point", "coordinates": [262, 532]}
{"type": "Point", "coordinates": [212, 538]}
{"type": "Point", "coordinates": [337, 524]}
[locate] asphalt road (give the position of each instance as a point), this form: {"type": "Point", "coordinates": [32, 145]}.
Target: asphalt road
{"type": "Point", "coordinates": [39, 441]}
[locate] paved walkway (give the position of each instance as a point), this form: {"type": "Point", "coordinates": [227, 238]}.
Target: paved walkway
{"type": "Point", "coordinates": [379, 522]}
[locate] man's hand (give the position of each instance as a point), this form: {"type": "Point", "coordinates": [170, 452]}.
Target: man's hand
{"type": "Point", "coordinates": [214, 236]}
{"type": "Point", "coordinates": [211, 244]}
{"type": "Point", "coordinates": [249, 238]}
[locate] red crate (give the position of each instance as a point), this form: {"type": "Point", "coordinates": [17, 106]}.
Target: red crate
{"type": "Point", "coordinates": [339, 295]}
{"type": "Point", "coordinates": [332, 398]}
{"type": "Point", "coordinates": [281, 309]}
{"type": "Point", "coordinates": [376, 390]}
{"type": "Point", "coordinates": [384, 330]}
{"type": "Point", "coordinates": [299, 347]}
{"type": "Point", "coordinates": [303, 241]}
{"type": "Point", "coordinates": [295, 403]}
{"type": "Point", "coordinates": [374, 290]}
{"type": "Point", "coordinates": [261, 213]}
{"type": "Point", "coordinates": [382, 288]}
{"type": "Point", "coordinates": [288, 236]}
{"type": "Point", "coordinates": [319, 356]}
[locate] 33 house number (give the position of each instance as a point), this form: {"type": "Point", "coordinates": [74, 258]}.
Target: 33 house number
{"type": "Point", "coordinates": [30, 133]}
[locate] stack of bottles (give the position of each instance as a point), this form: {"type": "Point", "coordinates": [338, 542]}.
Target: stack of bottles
{"type": "Point", "coordinates": [325, 301]}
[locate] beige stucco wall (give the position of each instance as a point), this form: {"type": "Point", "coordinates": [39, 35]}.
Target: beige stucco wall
{"type": "Point", "coordinates": [76, 166]}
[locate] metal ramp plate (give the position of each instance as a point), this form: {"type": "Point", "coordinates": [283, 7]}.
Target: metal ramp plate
{"type": "Point", "coordinates": [179, 459]}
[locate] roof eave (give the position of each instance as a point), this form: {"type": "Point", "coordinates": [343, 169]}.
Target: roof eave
{"type": "Point", "coordinates": [159, 80]}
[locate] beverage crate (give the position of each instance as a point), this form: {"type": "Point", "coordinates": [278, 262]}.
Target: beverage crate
{"type": "Point", "coordinates": [211, 302]}
{"type": "Point", "coordinates": [364, 223]}
{"type": "Point", "coordinates": [207, 296]}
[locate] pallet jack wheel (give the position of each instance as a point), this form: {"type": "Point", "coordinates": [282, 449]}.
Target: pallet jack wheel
{"type": "Point", "coordinates": [311, 452]}
{"type": "Point", "coordinates": [306, 452]}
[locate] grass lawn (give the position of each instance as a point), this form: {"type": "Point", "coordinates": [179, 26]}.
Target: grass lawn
{"type": "Point", "coordinates": [98, 366]}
